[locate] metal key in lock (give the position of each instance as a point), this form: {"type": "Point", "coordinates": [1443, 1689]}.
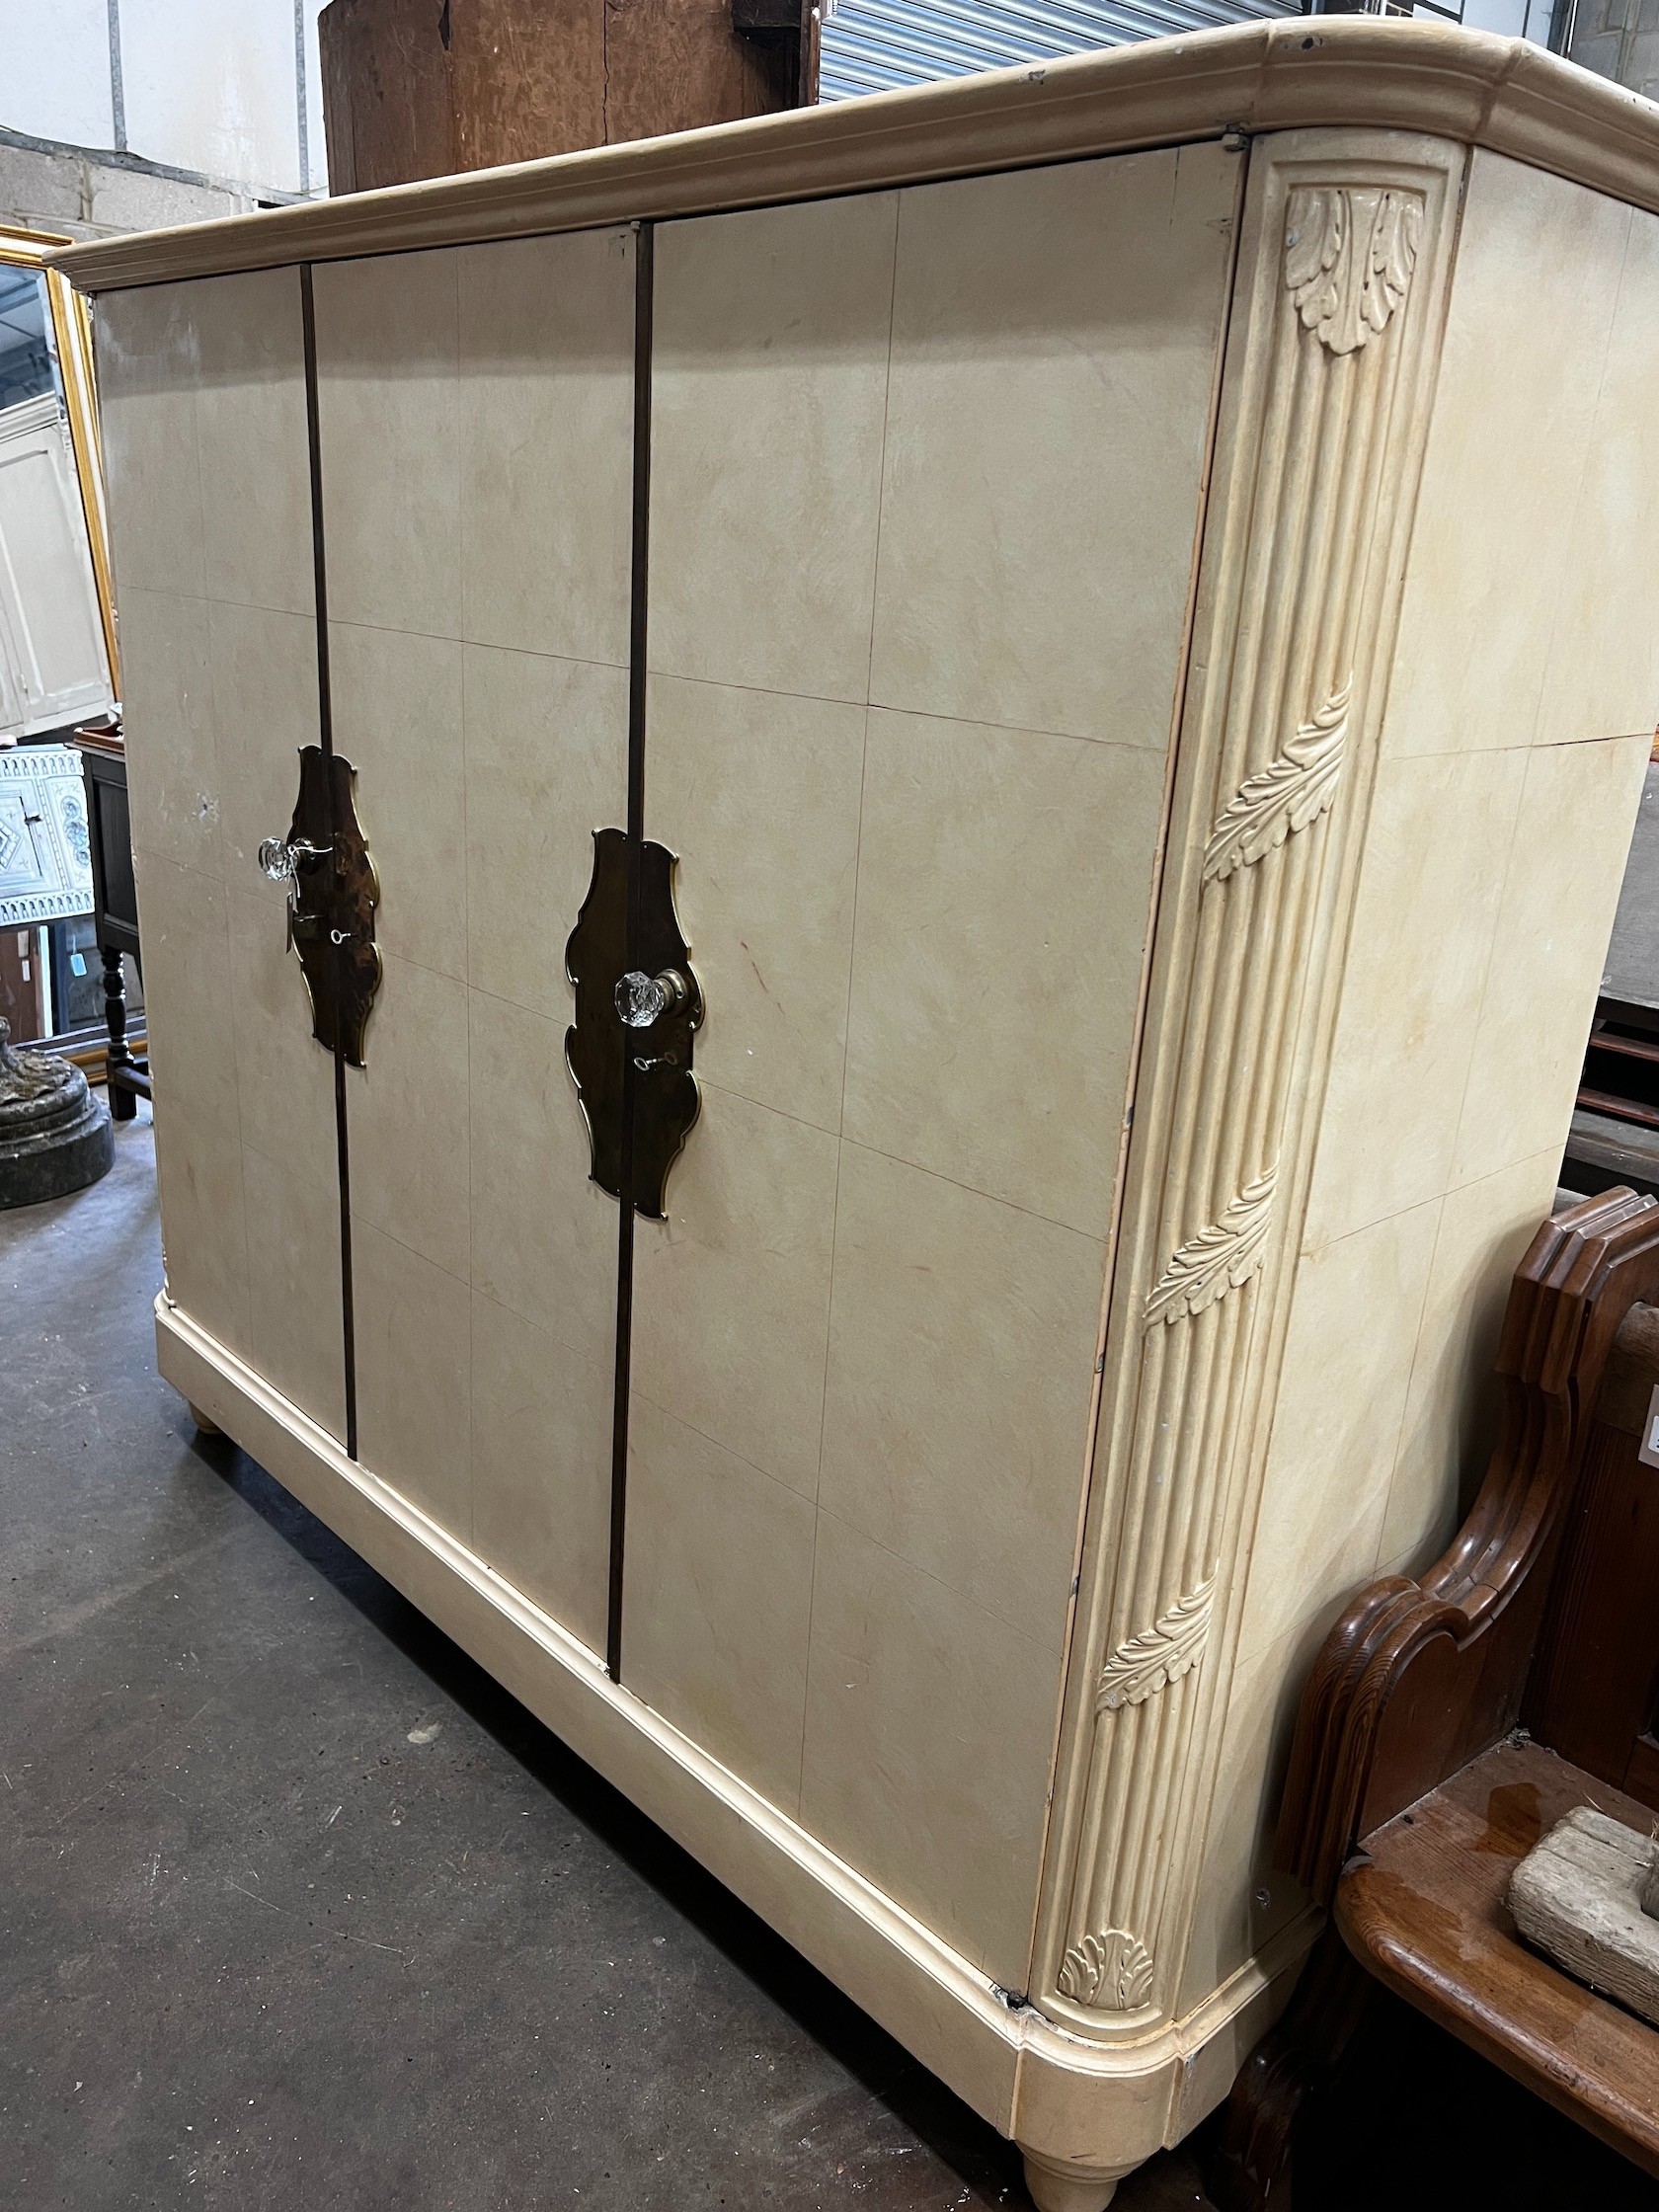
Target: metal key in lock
{"type": "Point", "coordinates": [642, 1000]}
{"type": "Point", "coordinates": [279, 858]}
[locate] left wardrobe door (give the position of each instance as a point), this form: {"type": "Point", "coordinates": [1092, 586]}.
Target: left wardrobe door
{"type": "Point", "coordinates": [476, 442]}
{"type": "Point", "coordinates": [202, 394]}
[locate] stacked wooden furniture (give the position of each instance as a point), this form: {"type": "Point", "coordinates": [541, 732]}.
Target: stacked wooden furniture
{"type": "Point", "coordinates": [1615, 1135]}
{"type": "Point", "coordinates": [1410, 1802]}
{"type": "Point", "coordinates": [1616, 1122]}
{"type": "Point", "coordinates": [988, 625]}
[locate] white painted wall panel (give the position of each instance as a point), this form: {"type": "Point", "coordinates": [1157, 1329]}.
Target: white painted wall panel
{"type": "Point", "coordinates": [210, 86]}
{"type": "Point", "coordinates": [54, 81]}
{"type": "Point", "coordinates": [1510, 18]}
{"type": "Point", "coordinates": [316, 148]}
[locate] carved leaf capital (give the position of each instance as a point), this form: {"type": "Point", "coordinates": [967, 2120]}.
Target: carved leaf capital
{"type": "Point", "coordinates": [1349, 254]}
{"type": "Point", "coordinates": [1295, 788]}
{"type": "Point", "coordinates": [1110, 1971]}
{"type": "Point", "coordinates": [1220, 1258]}
{"type": "Point", "coordinates": [1160, 1655]}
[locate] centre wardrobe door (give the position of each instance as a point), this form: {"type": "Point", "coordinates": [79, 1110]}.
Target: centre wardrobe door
{"type": "Point", "coordinates": [925, 478]}
{"type": "Point", "coordinates": [476, 410]}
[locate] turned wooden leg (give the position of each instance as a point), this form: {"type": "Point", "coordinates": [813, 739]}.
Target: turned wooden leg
{"type": "Point", "coordinates": [204, 1425]}
{"type": "Point", "coordinates": [1250, 2166]}
{"type": "Point", "coordinates": [124, 1106]}
{"type": "Point", "coordinates": [1061, 2185]}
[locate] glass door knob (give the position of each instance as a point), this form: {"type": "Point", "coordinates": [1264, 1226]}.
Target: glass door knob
{"type": "Point", "coordinates": [279, 856]}
{"type": "Point", "coordinates": [643, 999]}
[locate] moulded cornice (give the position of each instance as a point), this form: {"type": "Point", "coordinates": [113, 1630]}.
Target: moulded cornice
{"type": "Point", "coordinates": [1362, 72]}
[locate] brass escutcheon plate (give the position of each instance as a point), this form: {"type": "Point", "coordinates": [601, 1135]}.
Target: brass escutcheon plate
{"type": "Point", "coordinates": [333, 891]}
{"type": "Point", "coordinates": [632, 1081]}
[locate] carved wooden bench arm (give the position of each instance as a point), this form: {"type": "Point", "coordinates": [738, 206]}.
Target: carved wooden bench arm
{"type": "Point", "coordinates": [1420, 1675]}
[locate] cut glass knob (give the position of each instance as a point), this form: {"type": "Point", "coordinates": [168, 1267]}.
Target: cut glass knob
{"type": "Point", "coordinates": [279, 857]}
{"type": "Point", "coordinates": [643, 999]}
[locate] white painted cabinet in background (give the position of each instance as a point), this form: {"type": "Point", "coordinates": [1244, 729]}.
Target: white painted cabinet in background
{"type": "Point", "coordinates": [53, 664]}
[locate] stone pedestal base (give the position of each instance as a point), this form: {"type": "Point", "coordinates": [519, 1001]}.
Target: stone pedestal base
{"type": "Point", "coordinates": [55, 1135]}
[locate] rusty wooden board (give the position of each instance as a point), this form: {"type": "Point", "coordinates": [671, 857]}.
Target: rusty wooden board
{"type": "Point", "coordinates": [414, 89]}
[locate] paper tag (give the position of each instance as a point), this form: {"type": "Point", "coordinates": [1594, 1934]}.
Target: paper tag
{"type": "Point", "coordinates": [1648, 1453]}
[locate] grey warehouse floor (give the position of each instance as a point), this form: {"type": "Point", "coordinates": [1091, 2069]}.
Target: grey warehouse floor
{"type": "Point", "coordinates": [299, 1909]}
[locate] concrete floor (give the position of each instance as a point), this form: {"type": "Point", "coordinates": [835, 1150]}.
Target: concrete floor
{"type": "Point", "coordinates": [299, 1909]}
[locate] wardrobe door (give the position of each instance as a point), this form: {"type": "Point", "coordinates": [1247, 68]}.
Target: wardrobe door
{"type": "Point", "coordinates": [476, 411]}
{"type": "Point", "coordinates": [202, 395]}
{"type": "Point", "coordinates": [925, 481]}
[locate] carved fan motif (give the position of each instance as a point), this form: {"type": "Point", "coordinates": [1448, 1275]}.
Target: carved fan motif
{"type": "Point", "coordinates": [1112, 1971]}
{"type": "Point", "coordinates": [1349, 254]}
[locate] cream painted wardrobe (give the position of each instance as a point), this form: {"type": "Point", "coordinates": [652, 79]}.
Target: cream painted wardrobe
{"type": "Point", "coordinates": [1118, 600]}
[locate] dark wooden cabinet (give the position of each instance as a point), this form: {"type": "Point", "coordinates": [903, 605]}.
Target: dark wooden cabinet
{"type": "Point", "coordinates": [115, 907]}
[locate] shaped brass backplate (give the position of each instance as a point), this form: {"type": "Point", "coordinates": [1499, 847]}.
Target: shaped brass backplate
{"type": "Point", "coordinates": [333, 891]}
{"type": "Point", "coordinates": [638, 1006]}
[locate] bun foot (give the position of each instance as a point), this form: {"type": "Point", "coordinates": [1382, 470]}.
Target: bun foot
{"type": "Point", "coordinates": [205, 1427]}
{"type": "Point", "coordinates": [1059, 2186]}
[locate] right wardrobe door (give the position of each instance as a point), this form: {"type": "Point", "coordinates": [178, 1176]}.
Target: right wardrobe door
{"type": "Point", "coordinates": [926, 470]}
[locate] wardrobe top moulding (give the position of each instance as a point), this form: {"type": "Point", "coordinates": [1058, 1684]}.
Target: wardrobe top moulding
{"type": "Point", "coordinates": [1501, 94]}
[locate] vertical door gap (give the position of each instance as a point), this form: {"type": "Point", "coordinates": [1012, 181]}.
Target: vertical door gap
{"type": "Point", "coordinates": [325, 736]}
{"type": "Point", "coordinates": [639, 583]}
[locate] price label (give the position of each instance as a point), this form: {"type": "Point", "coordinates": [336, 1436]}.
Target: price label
{"type": "Point", "coordinates": [1648, 1454]}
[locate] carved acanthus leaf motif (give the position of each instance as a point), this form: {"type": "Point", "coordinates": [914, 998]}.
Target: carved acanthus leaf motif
{"type": "Point", "coordinates": [1158, 1655]}
{"type": "Point", "coordinates": [1349, 254]}
{"type": "Point", "coordinates": [1219, 1258]}
{"type": "Point", "coordinates": [1112, 1971]}
{"type": "Point", "coordinates": [1292, 791]}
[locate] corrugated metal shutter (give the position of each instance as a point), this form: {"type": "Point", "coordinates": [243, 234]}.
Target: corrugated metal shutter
{"type": "Point", "coordinates": [874, 46]}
